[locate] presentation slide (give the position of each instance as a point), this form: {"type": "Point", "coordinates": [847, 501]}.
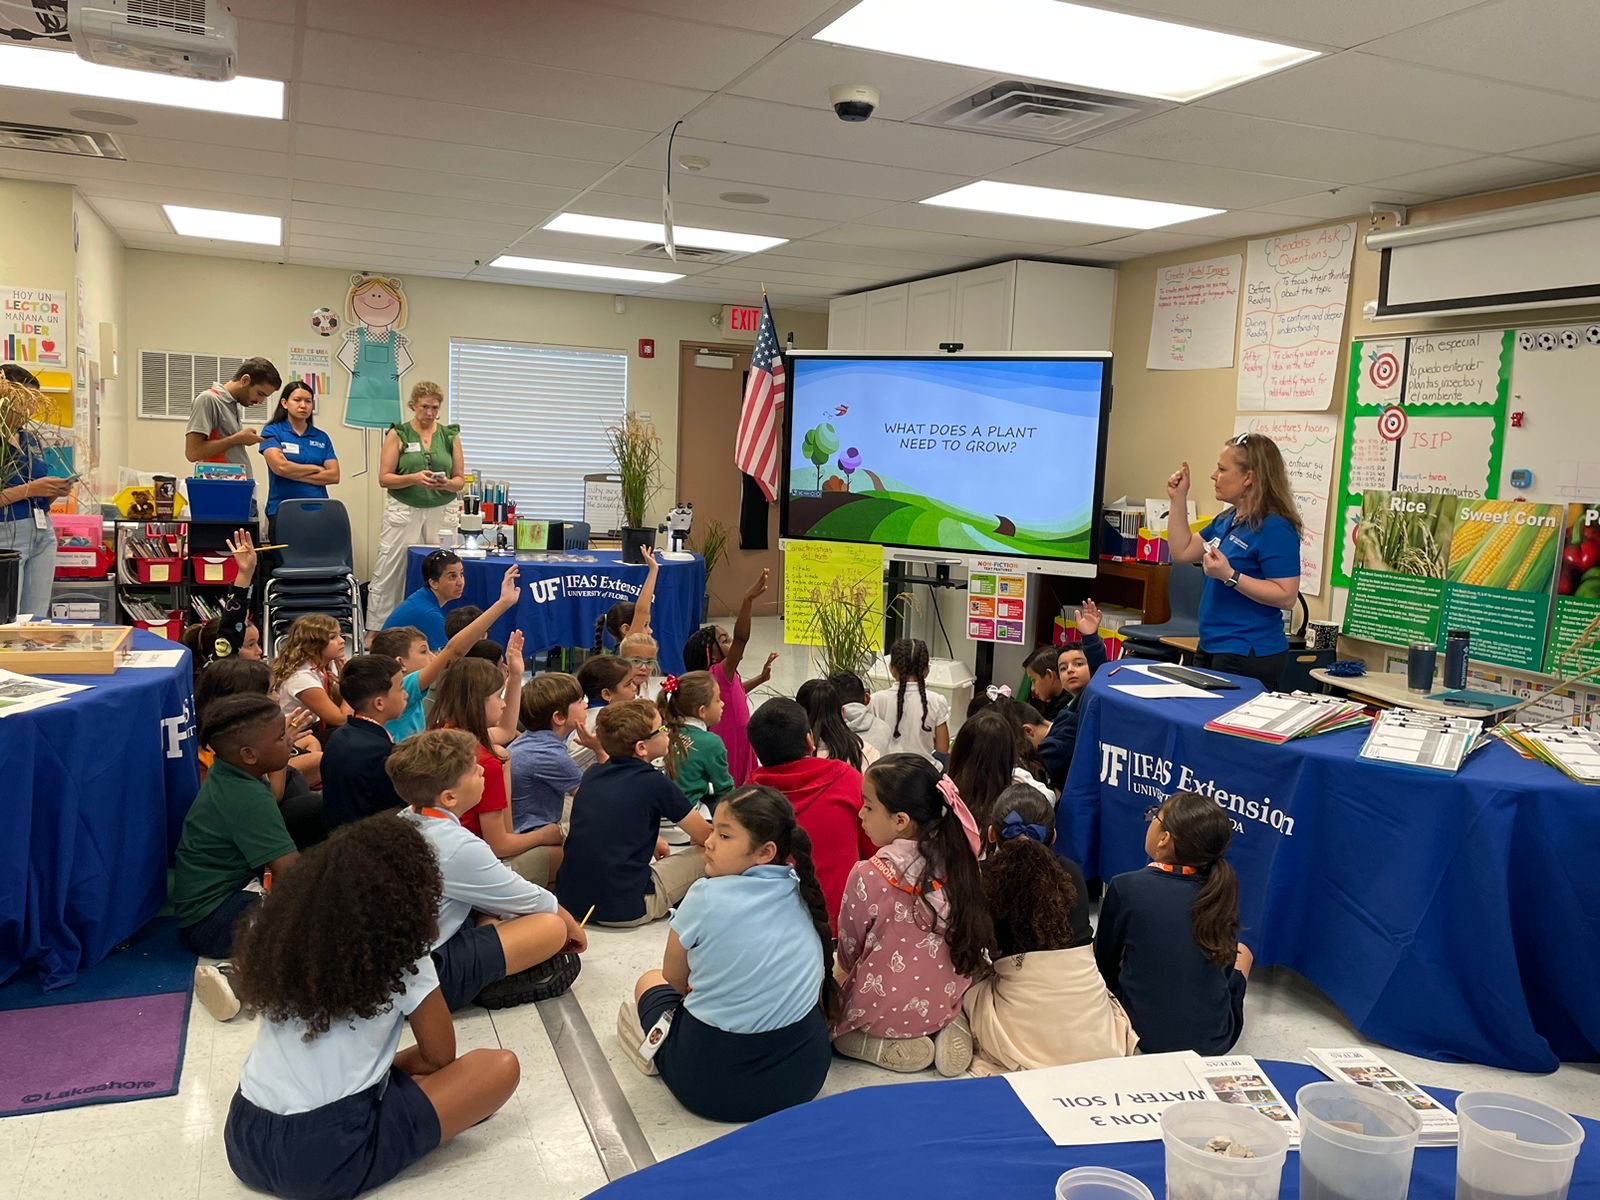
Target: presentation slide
{"type": "Point", "coordinates": [993, 456]}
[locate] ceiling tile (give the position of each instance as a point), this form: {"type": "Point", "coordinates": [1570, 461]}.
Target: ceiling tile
{"type": "Point", "coordinates": [478, 240]}
{"type": "Point", "coordinates": [266, 50]}
{"type": "Point", "coordinates": [1156, 241]}
{"type": "Point", "coordinates": [337, 215]}
{"type": "Point", "coordinates": [128, 215]}
{"type": "Point", "coordinates": [751, 167]}
{"type": "Point", "coordinates": [1242, 223]}
{"type": "Point", "coordinates": [803, 71]}
{"type": "Point", "coordinates": [378, 200]}
{"type": "Point", "coordinates": [1346, 202]}
{"type": "Point", "coordinates": [1031, 230]}
{"type": "Point", "coordinates": [169, 152]}
{"type": "Point", "coordinates": [1084, 170]}
{"type": "Point", "coordinates": [1303, 22]}
{"type": "Point", "coordinates": [643, 208]}
{"type": "Point", "coordinates": [903, 262]}
{"type": "Point", "coordinates": [176, 124]}
{"type": "Point", "coordinates": [705, 192]}
{"type": "Point", "coordinates": [1577, 152]}
{"type": "Point", "coordinates": [413, 153]}
{"type": "Point", "coordinates": [1479, 175]}
{"type": "Point", "coordinates": [768, 16]}
{"type": "Point", "coordinates": [314, 169]}
{"type": "Point", "coordinates": [371, 247]}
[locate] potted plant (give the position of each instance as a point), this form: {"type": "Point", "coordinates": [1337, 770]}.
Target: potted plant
{"type": "Point", "coordinates": [636, 447]}
{"type": "Point", "coordinates": [847, 621]}
{"type": "Point", "coordinates": [713, 549]}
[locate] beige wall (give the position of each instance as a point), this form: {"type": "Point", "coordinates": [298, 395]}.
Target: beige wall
{"type": "Point", "coordinates": [37, 248]}
{"type": "Point", "coordinates": [186, 302]}
{"type": "Point", "coordinates": [100, 264]}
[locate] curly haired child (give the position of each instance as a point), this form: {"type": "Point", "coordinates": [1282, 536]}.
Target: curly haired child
{"type": "Point", "coordinates": [305, 671]}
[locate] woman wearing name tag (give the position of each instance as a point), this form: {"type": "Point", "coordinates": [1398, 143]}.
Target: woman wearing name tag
{"type": "Point", "coordinates": [299, 456]}
{"type": "Point", "coordinates": [1250, 554]}
{"type": "Point", "coordinates": [421, 469]}
{"type": "Point", "coordinates": [27, 489]}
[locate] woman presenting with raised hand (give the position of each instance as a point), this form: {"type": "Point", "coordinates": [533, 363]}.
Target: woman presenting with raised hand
{"type": "Point", "coordinates": [1250, 554]}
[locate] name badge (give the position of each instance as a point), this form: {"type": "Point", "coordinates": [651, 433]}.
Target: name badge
{"type": "Point", "coordinates": [1238, 541]}
{"type": "Point", "coordinates": [413, 447]}
{"type": "Point", "coordinates": [41, 519]}
{"type": "Point", "coordinates": [291, 448]}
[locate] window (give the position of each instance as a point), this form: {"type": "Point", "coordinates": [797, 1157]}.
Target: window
{"type": "Point", "coordinates": [536, 416]}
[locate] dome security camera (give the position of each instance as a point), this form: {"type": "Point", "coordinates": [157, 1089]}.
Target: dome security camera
{"type": "Point", "coordinates": [853, 101]}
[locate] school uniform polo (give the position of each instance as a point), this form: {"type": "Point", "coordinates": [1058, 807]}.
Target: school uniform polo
{"type": "Point", "coordinates": [232, 831]}
{"type": "Point", "coordinates": [542, 773]}
{"type": "Point", "coordinates": [1231, 622]}
{"type": "Point", "coordinates": [355, 783]}
{"type": "Point", "coordinates": [422, 612]}
{"type": "Point", "coordinates": [412, 720]}
{"type": "Point", "coordinates": [311, 448]}
{"type": "Point", "coordinates": [616, 818]}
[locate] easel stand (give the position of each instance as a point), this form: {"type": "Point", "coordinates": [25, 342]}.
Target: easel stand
{"type": "Point", "coordinates": [897, 578]}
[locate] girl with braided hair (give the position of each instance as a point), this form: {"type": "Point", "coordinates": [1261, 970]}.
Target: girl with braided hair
{"type": "Point", "coordinates": [921, 726]}
{"type": "Point", "coordinates": [736, 1021]}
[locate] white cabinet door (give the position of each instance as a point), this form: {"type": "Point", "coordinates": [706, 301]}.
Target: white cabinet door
{"type": "Point", "coordinates": [847, 323]}
{"type": "Point", "coordinates": [930, 313]}
{"type": "Point", "coordinates": [1063, 307]}
{"type": "Point", "coordinates": [984, 300]}
{"type": "Point", "coordinates": [886, 319]}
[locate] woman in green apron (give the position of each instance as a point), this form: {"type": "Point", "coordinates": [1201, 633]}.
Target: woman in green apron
{"type": "Point", "coordinates": [421, 469]}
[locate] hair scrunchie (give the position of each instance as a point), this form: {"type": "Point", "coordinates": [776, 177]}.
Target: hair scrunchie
{"type": "Point", "coordinates": [996, 691]}
{"type": "Point", "coordinates": [1014, 827]}
{"type": "Point", "coordinates": [669, 685]}
{"type": "Point", "coordinates": [951, 795]}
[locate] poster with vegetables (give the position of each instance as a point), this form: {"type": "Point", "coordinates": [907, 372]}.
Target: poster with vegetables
{"type": "Point", "coordinates": [1402, 555]}
{"type": "Point", "coordinates": [1502, 561]}
{"type": "Point", "coordinates": [1577, 594]}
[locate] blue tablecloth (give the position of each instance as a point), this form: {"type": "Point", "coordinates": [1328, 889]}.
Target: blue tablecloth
{"type": "Point", "coordinates": [96, 789]}
{"type": "Point", "coordinates": [962, 1138]}
{"type": "Point", "coordinates": [1454, 917]}
{"type": "Point", "coordinates": [562, 600]}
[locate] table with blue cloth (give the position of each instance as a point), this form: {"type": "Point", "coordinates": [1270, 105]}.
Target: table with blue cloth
{"type": "Point", "coordinates": [964, 1138]}
{"type": "Point", "coordinates": [560, 601]}
{"type": "Point", "coordinates": [96, 786]}
{"type": "Point", "coordinates": [1451, 916]}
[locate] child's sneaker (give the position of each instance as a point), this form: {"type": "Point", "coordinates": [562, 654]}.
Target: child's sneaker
{"type": "Point", "coordinates": [952, 1047]}
{"type": "Point", "coordinates": [673, 835]}
{"type": "Point", "coordinates": [542, 981]}
{"type": "Point", "coordinates": [630, 1036]}
{"type": "Point", "coordinates": [907, 1055]}
{"type": "Point", "coordinates": [214, 990]}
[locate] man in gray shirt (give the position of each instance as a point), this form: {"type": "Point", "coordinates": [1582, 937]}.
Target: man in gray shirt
{"type": "Point", "coordinates": [215, 432]}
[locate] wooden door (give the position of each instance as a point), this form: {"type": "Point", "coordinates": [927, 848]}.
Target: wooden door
{"type": "Point", "coordinates": [708, 422]}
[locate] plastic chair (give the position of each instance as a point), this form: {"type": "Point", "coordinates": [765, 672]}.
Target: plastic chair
{"type": "Point", "coordinates": [315, 571]}
{"type": "Point", "coordinates": [1185, 582]}
{"type": "Point", "coordinates": [576, 537]}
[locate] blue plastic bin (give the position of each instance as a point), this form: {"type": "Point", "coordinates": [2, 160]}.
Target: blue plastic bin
{"type": "Point", "coordinates": [220, 499]}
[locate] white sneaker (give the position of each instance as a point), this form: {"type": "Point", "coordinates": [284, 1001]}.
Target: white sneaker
{"type": "Point", "coordinates": [907, 1055]}
{"type": "Point", "coordinates": [952, 1047]}
{"type": "Point", "coordinates": [214, 991]}
{"type": "Point", "coordinates": [630, 1035]}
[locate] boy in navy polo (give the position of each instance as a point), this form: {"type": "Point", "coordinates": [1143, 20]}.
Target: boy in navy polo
{"type": "Point", "coordinates": [354, 782]}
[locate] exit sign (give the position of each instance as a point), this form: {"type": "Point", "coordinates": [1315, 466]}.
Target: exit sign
{"type": "Point", "coordinates": [740, 322]}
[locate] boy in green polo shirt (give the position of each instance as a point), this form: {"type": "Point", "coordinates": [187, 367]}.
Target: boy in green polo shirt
{"type": "Point", "coordinates": [233, 832]}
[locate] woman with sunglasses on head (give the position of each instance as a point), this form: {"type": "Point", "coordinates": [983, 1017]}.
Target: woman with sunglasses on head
{"type": "Point", "coordinates": [299, 456]}
{"type": "Point", "coordinates": [1250, 554]}
{"type": "Point", "coordinates": [422, 470]}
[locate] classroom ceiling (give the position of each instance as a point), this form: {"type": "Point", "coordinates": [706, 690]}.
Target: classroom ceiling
{"type": "Point", "coordinates": [430, 137]}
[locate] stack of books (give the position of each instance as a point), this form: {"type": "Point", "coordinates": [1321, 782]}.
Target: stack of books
{"type": "Point", "coordinates": [1277, 717]}
{"type": "Point", "coordinates": [1354, 1065]}
{"type": "Point", "coordinates": [1403, 737]}
{"type": "Point", "coordinates": [1574, 752]}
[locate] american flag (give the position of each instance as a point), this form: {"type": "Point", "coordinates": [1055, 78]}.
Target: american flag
{"type": "Point", "coordinates": [756, 451]}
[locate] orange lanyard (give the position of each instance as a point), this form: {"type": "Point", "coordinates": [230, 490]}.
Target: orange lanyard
{"type": "Point", "coordinates": [1174, 868]}
{"type": "Point", "coordinates": [889, 878]}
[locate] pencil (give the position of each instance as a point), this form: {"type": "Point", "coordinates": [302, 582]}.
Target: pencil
{"type": "Point", "coordinates": [274, 546]}
{"type": "Point", "coordinates": [586, 917]}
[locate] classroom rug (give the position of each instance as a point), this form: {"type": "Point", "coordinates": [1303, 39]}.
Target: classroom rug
{"type": "Point", "coordinates": [116, 1034]}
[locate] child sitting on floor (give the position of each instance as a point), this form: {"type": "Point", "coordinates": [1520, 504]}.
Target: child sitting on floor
{"type": "Point", "coordinates": [855, 702]}
{"type": "Point", "coordinates": [832, 735]}
{"type": "Point", "coordinates": [616, 826]}
{"type": "Point", "coordinates": [605, 679]}
{"type": "Point", "coordinates": [744, 995]}
{"type": "Point", "coordinates": [922, 726]}
{"type": "Point", "coordinates": [336, 963]}
{"type": "Point", "coordinates": [543, 775]}
{"type": "Point", "coordinates": [1168, 943]}
{"type": "Point", "coordinates": [524, 946]}
{"type": "Point", "coordinates": [354, 783]}
{"type": "Point", "coordinates": [293, 787]}
{"type": "Point", "coordinates": [629, 616]}
{"type": "Point", "coordinates": [1046, 1004]}
{"type": "Point", "coordinates": [1077, 662]}
{"type": "Point", "coordinates": [697, 760]}
{"type": "Point", "coordinates": [305, 671]}
{"type": "Point", "coordinates": [639, 651]}
{"type": "Point", "coordinates": [231, 632]}
{"type": "Point", "coordinates": [913, 930]}
{"type": "Point", "coordinates": [985, 761]}
{"type": "Point", "coordinates": [712, 648]}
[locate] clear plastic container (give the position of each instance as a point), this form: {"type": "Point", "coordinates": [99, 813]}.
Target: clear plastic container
{"type": "Point", "coordinates": [1195, 1173]}
{"type": "Point", "coordinates": [1355, 1143]}
{"type": "Point", "coordinates": [1100, 1183]}
{"type": "Point", "coordinates": [1513, 1147]}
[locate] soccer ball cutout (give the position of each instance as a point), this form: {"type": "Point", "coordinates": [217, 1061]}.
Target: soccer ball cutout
{"type": "Point", "coordinates": [1525, 340]}
{"type": "Point", "coordinates": [325, 321]}
{"type": "Point", "coordinates": [1547, 341]}
{"type": "Point", "coordinates": [1569, 339]}
{"type": "Point", "coordinates": [1592, 335]}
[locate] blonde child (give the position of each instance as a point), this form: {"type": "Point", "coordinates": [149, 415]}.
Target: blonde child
{"type": "Point", "coordinates": [712, 648]}
{"type": "Point", "coordinates": [697, 760]}
{"type": "Point", "coordinates": [1168, 943]}
{"type": "Point", "coordinates": [922, 726]}
{"type": "Point", "coordinates": [639, 651]}
{"type": "Point", "coordinates": [305, 673]}
{"type": "Point", "coordinates": [913, 927]}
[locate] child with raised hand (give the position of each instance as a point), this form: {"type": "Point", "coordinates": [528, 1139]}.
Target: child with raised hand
{"type": "Point", "coordinates": [914, 930]}
{"type": "Point", "coordinates": [1168, 943]}
{"type": "Point", "coordinates": [615, 858]}
{"type": "Point", "coordinates": [712, 648]}
{"type": "Point", "coordinates": [305, 672]}
{"type": "Point", "coordinates": [833, 738]}
{"type": "Point", "coordinates": [855, 705]}
{"type": "Point", "coordinates": [1046, 1004]}
{"type": "Point", "coordinates": [230, 632]}
{"type": "Point", "coordinates": [921, 726]}
{"type": "Point", "coordinates": [986, 760]}
{"type": "Point", "coordinates": [629, 616]}
{"type": "Point", "coordinates": [697, 760]}
{"type": "Point", "coordinates": [744, 986]}
{"type": "Point", "coordinates": [605, 679]}
{"type": "Point", "coordinates": [523, 946]}
{"type": "Point", "coordinates": [543, 775]}
{"type": "Point", "coordinates": [1076, 663]}
{"type": "Point", "coordinates": [336, 963]}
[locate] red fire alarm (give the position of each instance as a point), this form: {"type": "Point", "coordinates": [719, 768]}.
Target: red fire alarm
{"type": "Point", "coordinates": [1516, 420]}
{"type": "Point", "coordinates": [647, 347]}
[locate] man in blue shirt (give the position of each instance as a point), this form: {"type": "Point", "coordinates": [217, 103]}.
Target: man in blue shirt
{"type": "Point", "coordinates": [443, 580]}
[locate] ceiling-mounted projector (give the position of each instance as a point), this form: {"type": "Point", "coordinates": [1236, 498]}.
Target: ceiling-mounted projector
{"type": "Point", "coordinates": [193, 39]}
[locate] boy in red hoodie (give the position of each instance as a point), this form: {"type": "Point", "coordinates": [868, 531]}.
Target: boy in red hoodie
{"type": "Point", "coordinates": [825, 793]}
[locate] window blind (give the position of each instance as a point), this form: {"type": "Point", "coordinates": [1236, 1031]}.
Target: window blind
{"type": "Point", "coordinates": [536, 416]}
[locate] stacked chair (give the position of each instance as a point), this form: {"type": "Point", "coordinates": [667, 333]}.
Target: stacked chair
{"type": "Point", "coordinates": [315, 572]}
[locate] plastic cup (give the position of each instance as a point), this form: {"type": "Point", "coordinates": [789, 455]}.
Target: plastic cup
{"type": "Point", "coordinates": [1355, 1142]}
{"type": "Point", "coordinates": [1100, 1183]}
{"type": "Point", "coordinates": [1195, 1173]}
{"type": "Point", "coordinates": [1512, 1147]}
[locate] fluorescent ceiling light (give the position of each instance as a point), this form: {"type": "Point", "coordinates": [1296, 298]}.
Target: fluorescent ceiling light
{"type": "Point", "coordinates": [61, 71]}
{"type": "Point", "coordinates": [1056, 204]}
{"type": "Point", "coordinates": [1063, 43]}
{"type": "Point", "coordinates": [649, 231]}
{"type": "Point", "coordinates": [549, 266]}
{"type": "Point", "coordinates": [222, 226]}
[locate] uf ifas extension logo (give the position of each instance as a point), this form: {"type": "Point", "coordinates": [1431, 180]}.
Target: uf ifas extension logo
{"type": "Point", "coordinates": [1155, 777]}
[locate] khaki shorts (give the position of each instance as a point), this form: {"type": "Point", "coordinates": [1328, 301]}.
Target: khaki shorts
{"type": "Point", "coordinates": [672, 877]}
{"type": "Point", "coordinates": [533, 865]}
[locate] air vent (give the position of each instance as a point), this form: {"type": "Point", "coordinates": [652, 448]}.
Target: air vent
{"type": "Point", "coordinates": [170, 380]}
{"type": "Point", "coordinates": [1036, 113]}
{"type": "Point", "coordinates": [691, 254]}
{"type": "Point", "coordinates": [181, 16]}
{"type": "Point", "coordinates": [85, 143]}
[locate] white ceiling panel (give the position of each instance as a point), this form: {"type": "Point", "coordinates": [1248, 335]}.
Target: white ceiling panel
{"type": "Point", "coordinates": [1198, 135]}
{"type": "Point", "coordinates": [641, 208]}
{"type": "Point", "coordinates": [903, 262]}
{"type": "Point", "coordinates": [924, 241]}
{"type": "Point", "coordinates": [1302, 22]}
{"type": "Point", "coordinates": [128, 215]}
{"type": "Point", "coordinates": [475, 240]}
{"type": "Point", "coordinates": [414, 153]}
{"type": "Point", "coordinates": [432, 226]}
{"type": "Point", "coordinates": [48, 108]}
{"type": "Point", "coordinates": [266, 50]}
{"type": "Point", "coordinates": [1375, 95]}
{"type": "Point", "coordinates": [170, 152]}
{"type": "Point", "coordinates": [1347, 200]}
{"type": "Point", "coordinates": [389, 264]}
{"type": "Point", "coordinates": [767, 16]}
{"type": "Point", "coordinates": [314, 169]}
{"type": "Point", "coordinates": [1242, 223]}
{"type": "Point", "coordinates": [706, 192]}
{"type": "Point", "coordinates": [803, 71]}
{"type": "Point", "coordinates": [1479, 175]}
{"type": "Point", "coordinates": [1028, 230]}
{"type": "Point", "coordinates": [750, 166]}
{"type": "Point", "coordinates": [1156, 241]}
{"type": "Point", "coordinates": [1581, 152]}
{"type": "Point", "coordinates": [379, 201]}
{"type": "Point", "coordinates": [375, 247]}
{"type": "Point", "coordinates": [1084, 170]}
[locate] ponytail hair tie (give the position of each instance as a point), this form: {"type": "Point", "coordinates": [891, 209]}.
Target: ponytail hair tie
{"type": "Point", "coordinates": [996, 691]}
{"type": "Point", "coordinates": [1013, 827]}
{"type": "Point", "coordinates": [669, 685]}
{"type": "Point", "coordinates": [951, 795]}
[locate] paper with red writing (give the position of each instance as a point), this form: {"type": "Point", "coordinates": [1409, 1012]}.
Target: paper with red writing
{"type": "Point", "coordinates": [1295, 290]}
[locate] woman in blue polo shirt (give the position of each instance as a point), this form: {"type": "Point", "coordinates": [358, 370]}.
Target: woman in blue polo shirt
{"type": "Point", "coordinates": [299, 455]}
{"type": "Point", "coordinates": [1250, 554]}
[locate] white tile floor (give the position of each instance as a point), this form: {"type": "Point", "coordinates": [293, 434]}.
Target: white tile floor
{"type": "Point", "coordinates": [172, 1148]}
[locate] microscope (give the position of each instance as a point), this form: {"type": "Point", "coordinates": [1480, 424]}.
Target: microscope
{"type": "Point", "coordinates": [677, 527]}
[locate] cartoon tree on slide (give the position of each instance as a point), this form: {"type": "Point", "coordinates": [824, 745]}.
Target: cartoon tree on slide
{"type": "Point", "coordinates": [819, 445]}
